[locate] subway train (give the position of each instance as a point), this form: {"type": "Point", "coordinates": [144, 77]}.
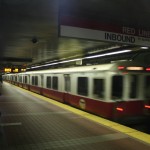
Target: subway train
{"type": "Point", "coordinates": [118, 91]}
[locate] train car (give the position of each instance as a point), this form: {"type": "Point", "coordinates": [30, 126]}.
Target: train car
{"type": "Point", "coordinates": [117, 91]}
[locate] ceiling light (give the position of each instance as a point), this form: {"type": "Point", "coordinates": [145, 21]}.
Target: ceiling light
{"type": "Point", "coordinates": [107, 54]}
{"type": "Point", "coordinates": [144, 47]}
{"type": "Point", "coordinates": [50, 64]}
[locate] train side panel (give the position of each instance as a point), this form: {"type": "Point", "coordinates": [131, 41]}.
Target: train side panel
{"type": "Point", "coordinates": [53, 86]}
{"type": "Point", "coordinates": [106, 90]}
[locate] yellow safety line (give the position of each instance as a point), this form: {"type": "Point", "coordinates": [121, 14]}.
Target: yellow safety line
{"type": "Point", "coordinates": [126, 130]}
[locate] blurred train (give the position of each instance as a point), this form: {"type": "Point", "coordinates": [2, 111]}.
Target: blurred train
{"type": "Point", "coordinates": [117, 91]}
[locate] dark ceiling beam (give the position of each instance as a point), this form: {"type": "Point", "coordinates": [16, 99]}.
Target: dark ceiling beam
{"type": "Point", "coordinates": [14, 59]}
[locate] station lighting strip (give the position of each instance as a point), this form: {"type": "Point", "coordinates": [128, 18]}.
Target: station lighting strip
{"type": "Point", "coordinates": [107, 54]}
{"type": "Point", "coordinates": [78, 59]}
{"type": "Point", "coordinates": [56, 63]}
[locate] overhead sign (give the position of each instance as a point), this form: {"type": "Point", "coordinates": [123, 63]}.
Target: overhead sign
{"type": "Point", "coordinates": [14, 70]}
{"type": "Point", "coordinates": [23, 70]}
{"type": "Point", "coordinates": [7, 70]}
{"type": "Point", "coordinates": [85, 29]}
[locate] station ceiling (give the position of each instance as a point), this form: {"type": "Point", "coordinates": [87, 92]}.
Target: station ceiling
{"type": "Point", "coordinates": [29, 29]}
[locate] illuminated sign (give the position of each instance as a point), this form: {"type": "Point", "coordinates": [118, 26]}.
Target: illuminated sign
{"type": "Point", "coordinates": [135, 68]}
{"type": "Point", "coordinates": [7, 70]}
{"type": "Point", "coordinates": [23, 70]}
{"type": "Point", "coordinates": [15, 70]}
{"type": "Point", "coordinates": [86, 29]}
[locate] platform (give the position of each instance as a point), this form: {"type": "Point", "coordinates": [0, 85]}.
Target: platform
{"type": "Point", "coordinates": [30, 121]}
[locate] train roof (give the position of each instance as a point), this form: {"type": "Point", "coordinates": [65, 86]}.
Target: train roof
{"type": "Point", "coordinates": [103, 67]}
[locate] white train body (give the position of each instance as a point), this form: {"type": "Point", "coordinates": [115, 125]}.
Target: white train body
{"type": "Point", "coordinates": [114, 91]}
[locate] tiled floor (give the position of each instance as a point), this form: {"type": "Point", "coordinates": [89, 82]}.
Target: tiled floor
{"type": "Point", "coordinates": [27, 123]}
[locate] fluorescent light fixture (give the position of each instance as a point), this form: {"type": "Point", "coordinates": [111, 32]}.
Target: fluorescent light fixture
{"type": "Point", "coordinates": [107, 54]}
{"type": "Point", "coordinates": [101, 50]}
{"type": "Point", "coordinates": [95, 56]}
{"type": "Point", "coordinates": [70, 60]}
{"type": "Point", "coordinates": [144, 47]}
{"type": "Point", "coordinates": [65, 61]}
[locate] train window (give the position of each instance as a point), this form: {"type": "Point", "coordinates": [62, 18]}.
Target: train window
{"type": "Point", "coordinates": [48, 82]}
{"type": "Point", "coordinates": [82, 86]}
{"type": "Point", "coordinates": [98, 87]}
{"type": "Point", "coordinates": [147, 87]}
{"type": "Point", "coordinates": [117, 86]}
{"type": "Point", "coordinates": [16, 78]}
{"type": "Point", "coordinates": [20, 78]}
{"type": "Point", "coordinates": [32, 80]}
{"type": "Point", "coordinates": [133, 86]}
{"type": "Point", "coordinates": [55, 83]}
{"type": "Point", "coordinates": [36, 80]}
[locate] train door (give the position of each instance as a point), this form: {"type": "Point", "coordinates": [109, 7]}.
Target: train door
{"type": "Point", "coordinates": [27, 81]}
{"type": "Point", "coordinates": [42, 80]}
{"type": "Point", "coordinates": [117, 95]}
{"type": "Point", "coordinates": [67, 85]}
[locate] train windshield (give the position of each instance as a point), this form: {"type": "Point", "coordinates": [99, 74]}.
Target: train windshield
{"type": "Point", "coordinates": [98, 88]}
{"type": "Point", "coordinates": [82, 86]}
{"type": "Point", "coordinates": [117, 87]}
{"type": "Point", "coordinates": [48, 82]}
{"type": "Point", "coordinates": [133, 86]}
{"type": "Point", "coordinates": [147, 87]}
